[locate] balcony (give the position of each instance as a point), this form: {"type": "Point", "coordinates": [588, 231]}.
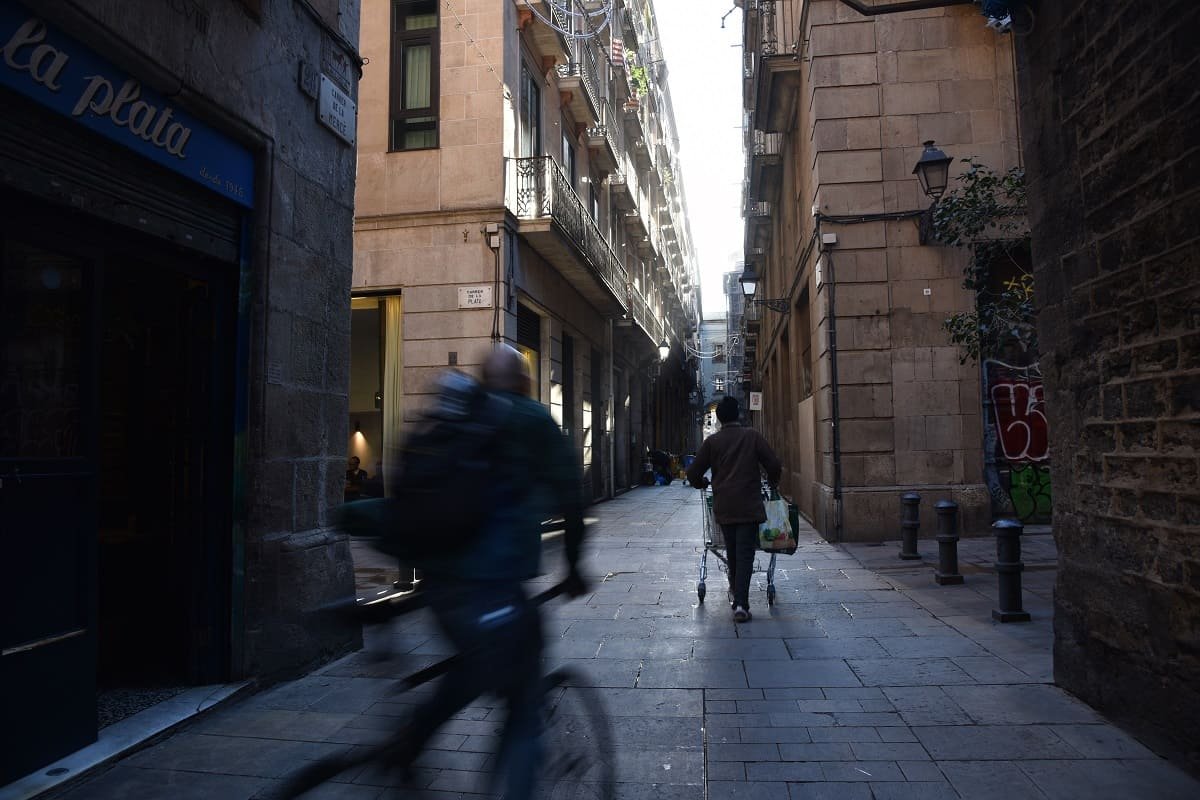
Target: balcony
{"type": "Point", "coordinates": [758, 212]}
{"type": "Point", "coordinates": [549, 41]}
{"type": "Point", "coordinates": [583, 82]}
{"type": "Point", "coordinates": [662, 157]}
{"type": "Point", "coordinates": [635, 226]}
{"type": "Point", "coordinates": [644, 317]}
{"type": "Point", "coordinates": [635, 125]}
{"type": "Point", "coordinates": [606, 139]}
{"type": "Point", "coordinates": [557, 225]}
{"type": "Point", "coordinates": [620, 191]}
{"type": "Point", "coordinates": [642, 154]}
{"type": "Point", "coordinates": [764, 164]}
{"type": "Point", "coordinates": [774, 33]}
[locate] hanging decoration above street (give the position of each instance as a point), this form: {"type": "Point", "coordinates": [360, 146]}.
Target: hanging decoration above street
{"type": "Point", "coordinates": [564, 17]}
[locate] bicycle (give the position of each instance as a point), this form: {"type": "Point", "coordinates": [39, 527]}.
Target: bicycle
{"type": "Point", "coordinates": [577, 762]}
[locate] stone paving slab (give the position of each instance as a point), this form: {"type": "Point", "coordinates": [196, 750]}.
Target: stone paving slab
{"type": "Point", "coordinates": [865, 681]}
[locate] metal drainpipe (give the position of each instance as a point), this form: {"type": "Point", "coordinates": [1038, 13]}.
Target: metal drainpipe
{"type": "Point", "coordinates": [834, 404]}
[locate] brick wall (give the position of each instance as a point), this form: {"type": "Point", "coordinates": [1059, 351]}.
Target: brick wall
{"type": "Point", "coordinates": [1110, 102]}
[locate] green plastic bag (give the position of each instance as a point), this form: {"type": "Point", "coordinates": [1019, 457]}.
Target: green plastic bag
{"type": "Point", "coordinates": [776, 534]}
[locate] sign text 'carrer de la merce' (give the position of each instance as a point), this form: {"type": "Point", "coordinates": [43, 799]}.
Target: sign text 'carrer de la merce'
{"type": "Point", "coordinates": [59, 73]}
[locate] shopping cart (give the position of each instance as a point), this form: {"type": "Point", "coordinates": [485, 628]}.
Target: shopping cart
{"type": "Point", "coordinates": [714, 542]}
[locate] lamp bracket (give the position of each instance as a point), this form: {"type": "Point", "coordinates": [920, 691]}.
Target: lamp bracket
{"type": "Point", "coordinates": [779, 304]}
{"type": "Point", "coordinates": [925, 225]}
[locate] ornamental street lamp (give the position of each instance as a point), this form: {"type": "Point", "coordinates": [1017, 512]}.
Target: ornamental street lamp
{"type": "Point", "coordinates": [664, 350]}
{"type": "Point", "coordinates": [749, 282]}
{"type": "Point", "coordinates": [933, 173]}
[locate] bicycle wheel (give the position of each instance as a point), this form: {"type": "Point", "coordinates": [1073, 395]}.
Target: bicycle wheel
{"type": "Point", "coordinates": [578, 759]}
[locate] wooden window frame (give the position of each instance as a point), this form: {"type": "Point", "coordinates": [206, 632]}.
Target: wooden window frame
{"type": "Point", "coordinates": [530, 86]}
{"type": "Point", "coordinates": [396, 110]}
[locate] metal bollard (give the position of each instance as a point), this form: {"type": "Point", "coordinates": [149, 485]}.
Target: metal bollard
{"type": "Point", "coordinates": [910, 523]}
{"type": "Point", "coordinates": [947, 539]}
{"type": "Point", "coordinates": [1008, 571]}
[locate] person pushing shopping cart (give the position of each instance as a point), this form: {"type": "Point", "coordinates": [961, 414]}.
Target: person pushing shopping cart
{"type": "Point", "coordinates": [735, 455]}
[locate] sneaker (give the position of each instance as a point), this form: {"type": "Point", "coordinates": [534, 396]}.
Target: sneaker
{"type": "Point", "coordinates": [741, 615]}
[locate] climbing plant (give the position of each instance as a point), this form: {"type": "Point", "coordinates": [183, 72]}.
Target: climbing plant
{"type": "Point", "coordinates": [985, 214]}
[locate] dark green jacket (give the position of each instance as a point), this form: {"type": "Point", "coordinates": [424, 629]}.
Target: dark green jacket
{"type": "Point", "coordinates": [536, 477]}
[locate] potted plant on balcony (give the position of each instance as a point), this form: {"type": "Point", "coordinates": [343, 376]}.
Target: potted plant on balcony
{"type": "Point", "coordinates": [640, 79]}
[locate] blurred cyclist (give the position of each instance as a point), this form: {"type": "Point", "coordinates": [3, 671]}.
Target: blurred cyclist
{"type": "Point", "coordinates": [477, 596]}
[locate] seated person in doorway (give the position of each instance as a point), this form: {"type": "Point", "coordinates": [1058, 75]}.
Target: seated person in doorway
{"type": "Point", "coordinates": [355, 477]}
{"type": "Point", "coordinates": [735, 454]}
{"type": "Point", "coordinates": [373, 486]}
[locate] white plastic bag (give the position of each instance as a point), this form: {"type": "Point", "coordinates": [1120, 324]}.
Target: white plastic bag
{"type": "Point", "coordinates": [776, 534]}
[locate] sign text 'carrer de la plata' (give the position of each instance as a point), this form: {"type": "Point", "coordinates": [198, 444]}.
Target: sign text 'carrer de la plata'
{"type": "Point", "coordinates": [474, 297]}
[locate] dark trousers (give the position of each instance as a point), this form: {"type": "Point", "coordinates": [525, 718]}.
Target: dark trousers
{"type": "Point", "coordinates": [741, 540]}
{"type": "Point", "coordinates": [498, 634]}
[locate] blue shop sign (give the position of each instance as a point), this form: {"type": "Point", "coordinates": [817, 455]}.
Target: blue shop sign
{"type": "Point", "coordinates": [60, 73]}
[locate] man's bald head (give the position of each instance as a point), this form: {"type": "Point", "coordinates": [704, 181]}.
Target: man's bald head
{"type": "Point", "coordinates": [504, 370]}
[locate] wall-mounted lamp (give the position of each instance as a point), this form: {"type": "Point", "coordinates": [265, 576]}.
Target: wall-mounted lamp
{"type": "Point", "coordinates": [357, 428]}
{"type": "Point", "coordinates": [749, 282]}
{"type": "Point", "coordinates": [379, 399]}
{"type": "Point", "coordinates": [664, 350]}
{"type": "Point", "coordinates": [933, 173]}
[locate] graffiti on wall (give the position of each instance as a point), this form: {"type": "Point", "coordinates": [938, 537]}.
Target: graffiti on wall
{"type": "Point", "coordinates": [1017, 462]}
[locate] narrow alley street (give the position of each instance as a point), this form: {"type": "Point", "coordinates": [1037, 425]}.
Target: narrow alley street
{"type": "Point", "coordinates": [865, 680]}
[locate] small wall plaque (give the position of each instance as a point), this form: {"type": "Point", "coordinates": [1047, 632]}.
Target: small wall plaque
{"type": "Point", "coordinates": [474, 297]}
{"type": "Point", "coordinates": [337, 111]}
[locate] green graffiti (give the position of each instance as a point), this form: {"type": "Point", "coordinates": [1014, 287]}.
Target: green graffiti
{"type": "Point", "coordinates": [1029, 488]}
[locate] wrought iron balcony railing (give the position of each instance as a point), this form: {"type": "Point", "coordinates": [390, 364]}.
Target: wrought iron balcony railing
{"type": "Point", "coordinates": [766, 144]}
{"type": "Point", "coordinates": [623, 188]}
{"type": "Point", "coordinates": [610, 130]}
{"type": "Point", "coordinates": [758, 211]}
{"type": "Point", "coordinates": [538, 189]}
{"type": "Point", "coordinates": [644, 316]}
{"type": "Point", "coordinates": [585, 66]}
{"type": "Point", "coordinates": [778, 27]}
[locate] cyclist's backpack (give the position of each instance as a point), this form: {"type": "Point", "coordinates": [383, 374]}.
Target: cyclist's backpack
{"type": "Point", "coordinates": [442, 477]}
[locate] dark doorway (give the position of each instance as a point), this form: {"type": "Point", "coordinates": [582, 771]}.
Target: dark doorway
{"type": "Point", "coordinates": [116, 457]}
{"type": "Point", "coordinates": [161, 448]}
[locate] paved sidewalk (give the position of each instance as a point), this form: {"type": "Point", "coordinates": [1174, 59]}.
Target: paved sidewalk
{"type": "Point", "coordinates": [865, 680]}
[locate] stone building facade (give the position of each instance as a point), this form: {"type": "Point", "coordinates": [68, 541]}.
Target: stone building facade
{"type": "Point", "coordinates": [520, 184]}
{"type": "Point", "coordinates": [1110, 105]}
{"type": "Point", "coordinates": [864, 396]}
{"type": "Point", "coordinates": [714, 368]}
{"type": "Point", "coordinates": [176, 237]}
{"type": "Point", "coordinates": [735, 336]}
